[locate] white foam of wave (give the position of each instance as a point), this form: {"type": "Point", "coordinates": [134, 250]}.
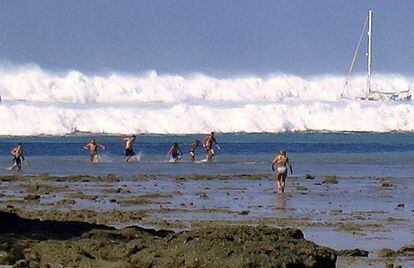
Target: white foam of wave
{"type": "Point", "coordinates": [39, 102]}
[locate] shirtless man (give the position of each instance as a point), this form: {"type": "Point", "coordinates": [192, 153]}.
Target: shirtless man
{"type": "Point", "coordinates": [208, 142]}
{"type": "Point", "coordinates": [175, 152]}
{"type": "Point", "coordinates": [193, 149]}
{"type": "Point", "coordinates": [281, 174]}
{"type": "Point", "coordinates": [129, 143]}
{"type": "Point", "coordinates": [18, 156]}
{"type": "Point", "coordinates": [93, 149]}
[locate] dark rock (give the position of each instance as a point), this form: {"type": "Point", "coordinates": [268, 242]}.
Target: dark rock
{"type": "Point", "coordinates": [21, 263]}
{"type": "Point", "coordinates": [330, 180]}
{"type": "Point", "coordinates": [336, 211]}
{"type": "Point", "coordinates": [32, 197]}
{"type": "Point", "coordinates": [34, 264]}
{"type": "Point", "coordinates": [202, 195]}
{"type": "Point", "coordinates": [301, 188]}
{"type": "Point", "coordinates": [112, 177]}
{"type": "Point", "coordinates": [407, 250]}
{"type": "Point", "coordinates": [76, 244]}
{"type": "Point", "coordinates": [66, 202]}
{"type": "Point", "coordinates": [389, 265]}
{"type": "Point", "coordinates": [386, 252]}
{"type": "Point", "coordinates": [401, 205]}
{"type": "Point", "coordinates": [386, 185]}
{"type": "Point", "coordinates": [244, 212]}
{"type": "Point", "coordinates": [309, 177]}
{"type": "Point", "coordinates": [353, 252]}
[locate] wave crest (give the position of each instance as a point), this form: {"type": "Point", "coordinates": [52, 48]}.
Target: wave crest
{"type": "Point", "coordinates": [39, 102]}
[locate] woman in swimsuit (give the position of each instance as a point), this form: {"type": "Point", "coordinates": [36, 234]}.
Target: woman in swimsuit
{"type": "Point", "coordinates": [281, 173]}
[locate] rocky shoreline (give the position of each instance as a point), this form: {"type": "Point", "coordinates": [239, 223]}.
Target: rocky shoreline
{"type": "Point", "coordinates": [35, 243]}
{"type": "Point", "coordinates": [367, 220]}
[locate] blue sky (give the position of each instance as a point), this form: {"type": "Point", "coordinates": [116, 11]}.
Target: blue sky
{"type": "Point", "coordinates": [214, 37]}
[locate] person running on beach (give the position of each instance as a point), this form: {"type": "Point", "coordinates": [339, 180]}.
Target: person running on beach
{"type": "Point", "coordinates": [129, 143]}
{"type": "Point", "coordinates": [18, 156]}
{"type": "Point", "coordinates": [281, 173]}
{"type": "Point", "coordinates": [208, 142]}
{"type": "Point", "coordinates": [175, 152]}
{"type": "Point", "coordinates": [193, 149]}
{"type": "Point", "coordinates": [93, 150]}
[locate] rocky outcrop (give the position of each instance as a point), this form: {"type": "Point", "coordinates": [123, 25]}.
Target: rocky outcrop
{"type": "Point", "coordinates": [36, 243]}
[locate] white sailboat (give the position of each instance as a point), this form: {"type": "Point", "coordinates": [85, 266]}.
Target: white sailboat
{"type": "Point", "coordinates": [370, 93]}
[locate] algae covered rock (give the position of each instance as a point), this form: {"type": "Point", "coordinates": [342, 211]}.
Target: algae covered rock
{"type": "Point", "coordinates": [77, 244]}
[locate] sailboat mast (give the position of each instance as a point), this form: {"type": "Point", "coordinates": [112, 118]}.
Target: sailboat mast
{"type": "Point", "coordinates": [369, 63]}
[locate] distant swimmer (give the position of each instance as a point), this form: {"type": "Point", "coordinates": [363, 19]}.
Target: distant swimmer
{"type": "Point", "coordinates": [129, 143]}
{"type": "Point", "coordinates": [193, 149]}
{"type": "Point", "coordinates": [281, 173]}
{"type": "Point", "coordinates": [93, 150]}
{"type": "Point", "coordinates": [18, 157]}
{"type": "Point", "coordinates": [208, 142]}
{"type": "Point", "coordinates": [175, 152]}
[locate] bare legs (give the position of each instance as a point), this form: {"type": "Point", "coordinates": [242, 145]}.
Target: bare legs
{"type": "Point", "coordinates": [280, 181]}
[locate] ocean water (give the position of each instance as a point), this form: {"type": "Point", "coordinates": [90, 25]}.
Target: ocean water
{"type": "Point", "coordinates": [324, 134]}
{"type": "Point", "coordinates": [343, 154]}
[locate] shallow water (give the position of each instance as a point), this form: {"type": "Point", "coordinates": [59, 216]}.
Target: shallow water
{"type": "Point", "coordinates": [342, 154]}
{"type": "Point", "coordinates": [356, 212]}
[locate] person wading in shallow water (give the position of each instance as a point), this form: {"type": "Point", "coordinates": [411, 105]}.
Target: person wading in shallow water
{"type": "Point", "coordinates": [93, 150]}
{"type": "Point", "coordinates": [175, 152]}
{"type": "Point", "coordinates": [281, 172]}
{"type": "Point", "coordinates": [129, 143]}
{"type": "Point", "coordinates": [18, 156]}
{"type": "Point", "coordinates": [208, 142]}
{"type": "Point", "coordinates": [193, 149]}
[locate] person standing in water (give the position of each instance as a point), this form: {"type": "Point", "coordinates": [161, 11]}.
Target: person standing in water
{"type": "Point", "coordinates": [175, 152]}
{"type": "Point", "coordinates": [208, 142]}
{"type": "Point", "coordinates": [129, 143]}
{"type": "Point", "coordinates": [93, 150]}
{"type": "Point", "coordinates": [193, 149]}
{"type": "Point", "coordinates": [281, 172]}
{"type": "Point", "coordinates": [18, 156]}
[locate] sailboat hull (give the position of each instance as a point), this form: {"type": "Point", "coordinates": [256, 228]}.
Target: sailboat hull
{"type": "Point", "coordinates": [380, 96]}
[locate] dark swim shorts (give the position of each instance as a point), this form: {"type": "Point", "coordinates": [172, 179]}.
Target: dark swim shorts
{"type": "Point", "coordinates": [17, 160]}
{"type": "Point", "coordinates": [129, 152]}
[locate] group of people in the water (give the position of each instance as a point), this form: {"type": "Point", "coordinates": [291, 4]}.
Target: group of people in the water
{"type": "Point", "coordinates": [93, 146]}
{"type": "Point", "coordinates": [175, 151]}
{"type": "Point", "coordinates": [281, 160]}
{"type": "Point", "coordinates": [208, 142]}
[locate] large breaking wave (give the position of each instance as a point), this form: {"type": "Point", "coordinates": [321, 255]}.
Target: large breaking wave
{"type": "Point", "coordinates": [36, 102]}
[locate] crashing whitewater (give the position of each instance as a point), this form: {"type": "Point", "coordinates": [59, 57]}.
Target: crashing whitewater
{"type": "Point", "coordinates": [36, 102]}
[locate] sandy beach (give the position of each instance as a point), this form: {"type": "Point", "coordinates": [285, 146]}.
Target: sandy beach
{"type": "Point", "coordinates": [369, 213]}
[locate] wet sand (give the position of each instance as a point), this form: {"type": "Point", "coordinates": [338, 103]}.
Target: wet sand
{"type": "Point", "coordinates": [340, 213]}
